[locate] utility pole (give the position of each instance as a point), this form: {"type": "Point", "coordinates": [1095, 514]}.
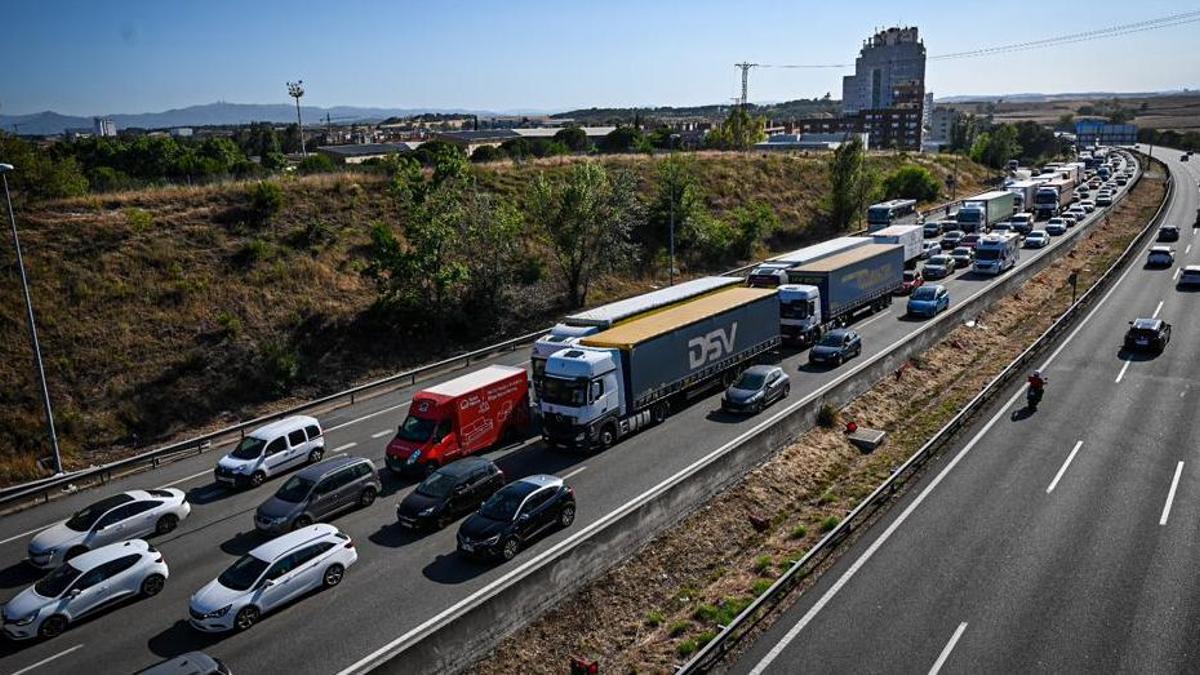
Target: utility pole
{"type": "Point", "coordinates": [671, 273]}
{"type": "Point", "coordinates": [296, 90]}
{"type": "Point", "coordinates": [37, 350]}
{"type": "Point", "coordinates": [746, 66]}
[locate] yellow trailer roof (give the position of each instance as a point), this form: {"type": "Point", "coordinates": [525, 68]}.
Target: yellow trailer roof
{"type": "Point", "coordinates": [834, 262]}
{"type": "Point", "coordinates": [631, 333]}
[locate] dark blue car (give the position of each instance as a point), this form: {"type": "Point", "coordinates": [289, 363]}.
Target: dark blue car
{"type": "Point", "coordinates": [835, 347]}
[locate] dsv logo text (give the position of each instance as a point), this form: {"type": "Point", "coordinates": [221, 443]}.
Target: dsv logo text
{"type": "Point", "coordinates": [712, 347]}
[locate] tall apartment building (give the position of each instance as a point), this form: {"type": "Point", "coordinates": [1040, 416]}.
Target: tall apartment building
{"type": "Point", "coordinates": [103, 126]}
{"type": "Point", "coordinates": [889, 69]}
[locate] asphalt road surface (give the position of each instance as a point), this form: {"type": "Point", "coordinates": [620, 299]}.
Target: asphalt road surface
{"type": "Point", "coordinates": [1059, 541]}
{"type": "Point", "coordinates": [401, 579]}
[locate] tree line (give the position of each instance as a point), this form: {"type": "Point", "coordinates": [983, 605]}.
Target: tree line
{"type": "Point", "coordinates": [993, 145]}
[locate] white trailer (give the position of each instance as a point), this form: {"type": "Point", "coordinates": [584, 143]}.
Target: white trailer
{"type": "Point", "coordinates": [909, 236]}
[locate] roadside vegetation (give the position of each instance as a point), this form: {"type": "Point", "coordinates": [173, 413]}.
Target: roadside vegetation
{"type": "Point", "coordinates": [703, 571]}
{"type": "Point", "coordinates": [171, 309]}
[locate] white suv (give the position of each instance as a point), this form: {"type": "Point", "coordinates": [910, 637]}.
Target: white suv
{"type": "Point", "coordinates": [270, 450]}
{"type": "Point", "coordinates": [129, 515]}
{"type": "Point", "coordinates": [270, 576]}
{"type": "Point", "coordinates": [90, 582]}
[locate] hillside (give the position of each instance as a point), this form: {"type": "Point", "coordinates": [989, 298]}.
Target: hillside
{"type": "Point", "coordinates": [162, 311]}
{"type": "Point", "coordinates": [1180, 111]}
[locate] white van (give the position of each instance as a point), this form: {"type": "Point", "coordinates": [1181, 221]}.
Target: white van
{"type": "Point", "coordinates": [270, 450]}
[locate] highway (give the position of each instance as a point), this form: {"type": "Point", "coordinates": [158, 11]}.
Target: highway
{"type": "Point", "coordinates": [1061, 541]}
{"type": "Point", "coordinates": [401, 580]}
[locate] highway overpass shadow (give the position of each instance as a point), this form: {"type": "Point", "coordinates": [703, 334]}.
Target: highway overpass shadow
{"type": "Point", "coordinates": [19, 575]}
{"type": "Point", "coordinates": [243, 542]}
{"type": "Point", "coordinates": [454, 568]}
{"type": "Point", "coordinates": [181, 638]}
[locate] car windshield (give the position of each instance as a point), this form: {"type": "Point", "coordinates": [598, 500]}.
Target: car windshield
{"type": "Point", "coordinates": [988, 254]}
{"type": "Point", "coordinates": [294, 490]}
{"type": "Point", "coordinates": [83, 520]}
{"type": "Point", "coordinates": [938, 260]}
{"type": "Point", "coordinates": [924, 293]}
{"type": "Point", "coordinates": [241, 575]}
{"type": "Point", "coordinates": [416, 429]}
{"type": "Point", "coordinates": [57, 581]}
{"type": "Point", "coordinates": [503, 505]}
{"type": "Point", "coordinates": [831, 340]}
{"type": "Point", "coordinates": [750, 380]}
{"type": "Point", "coordinates": [910, 276]}
{"type": "Point", "coordinates": [558, 391]}
{"type": "Point", "coordinates": [438, 485]}
{"type": "Point", "coordinates": [249, 448]}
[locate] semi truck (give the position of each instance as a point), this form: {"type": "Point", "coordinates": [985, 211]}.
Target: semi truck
{"type": "Point", "coordinates": [630, 376]}
{"type": "Point", "coordinates": [577, 326]}
{"type": "Point", "coordinates": [1049, 198]}
{"type": "Point", "coordinates": [460, 417]}
{"type": "Point", "coordinates": [829, 293]}
{"type": "Point", "coordinates": [1024, 191]}
{"type": "Point", "coordinates": [909, 237]}
{"type": "Point", "coordinates": [773, 272]}
{"type": "Point", "coordinates": [997, 253]}
{"type": "Point", "coordinates": [980, 212]}
{"type": "Point", "coordinates": [884, 214]}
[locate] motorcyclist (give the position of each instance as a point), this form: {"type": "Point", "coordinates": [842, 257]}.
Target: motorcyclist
{"type": "Point", "coordinates": [1037, 382]}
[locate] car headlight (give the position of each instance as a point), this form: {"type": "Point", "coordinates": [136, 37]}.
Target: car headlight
{"type": "Point", "coordinates": [25, 620]}
{"type": "Point", "coordinates": [416, 454]}
{"type": "Point", "coordinates": [428, 512]}
{"type": "Point", "coordinates": [491, 541]}
{"type": "Point", "coordinates": [218, 613]}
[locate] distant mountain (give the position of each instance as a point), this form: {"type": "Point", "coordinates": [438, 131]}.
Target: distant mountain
{"type": "Point", "coordinates": [1042, 98]}
{"type": "Point", "coordinates": [214, 114]}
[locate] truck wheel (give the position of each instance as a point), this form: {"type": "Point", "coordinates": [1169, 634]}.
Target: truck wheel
{"type": "Point", "coordinates": [658, 414]}
{"type": "Point", "coordinates": [607, 437]}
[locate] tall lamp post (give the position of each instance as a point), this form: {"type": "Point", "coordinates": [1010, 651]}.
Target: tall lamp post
{"type": "Point", "coordinates": [37, 350]}
{"type": "Point", "coordinates": [296, 90]}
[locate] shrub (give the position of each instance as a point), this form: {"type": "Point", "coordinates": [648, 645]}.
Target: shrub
{"type": "Point", "coordinates": [279, 366]}
{"type": "Point", "coordinates": [706, 613]}
{"type": "Point", "coordinates": [827, 417]}
{"type": "Point", "coordinates": [705, 637]}
{"type": "Point", "coordinates": [760, 586]}
{"type": "Point", "coordinates": [686, 648]}
{"type": "Point", "coordinates": [826, 498]}
{"type": "Point", "coordinates": [762, 564]}
{"type": "Point", "coordinates": [316, 163]}
{"type": "Point", "coordinates": [799, 532]}
{"type": "Point", "coordinates": [139, 219]}
{"type": "Point", "coordinates": [912, 182]}
{"type": "Point", "coordinates": [679, 628]}
{"type": "Point", "coordinates": [655, 619]}
{"type": "Point", "coordinates": [229, 322]}
{"type": "Point", "coordinates": [266, 200]}
{"type": "Point", "coordinates": [256, 251]}
{"type": "Point", "coordinates": [829, 523]}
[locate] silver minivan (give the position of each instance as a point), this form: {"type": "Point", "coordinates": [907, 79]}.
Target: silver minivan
{"type": "Point", "coordinates": [317, 492]}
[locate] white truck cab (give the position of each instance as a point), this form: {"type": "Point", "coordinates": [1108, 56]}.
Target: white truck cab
{"type": "Point", "coordinates": [581, 389]}
{"type": "Point", "coordinates": [799, 311]}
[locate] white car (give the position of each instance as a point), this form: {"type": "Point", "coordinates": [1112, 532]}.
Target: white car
{"type": "Point", "coordinates": [1088, 205]}
{"type": "Point", "coordinates": [1056, 228]}
{"type": "Point", "coordinates": [930, 248]}
{"type": "Point", "coordinates": [90, 582]}
{"type": "Point", "coordinates": [1190, 276]}
{"type": "Point", "coordinates": [270, 576]}
{"type": "Point", "coordinates": [129, 515]}
{"type": "Point", "coordinates": [1037, 239]}
{"type": "Point", "coordinates": [271, 450]}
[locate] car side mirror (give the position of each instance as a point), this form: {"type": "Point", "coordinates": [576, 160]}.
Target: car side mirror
{"type": "Point", "coordinates": [268, 583]}
{"type": "Point", "coordinates": [459, 489]}
{"type": "Point", "coordinates": [74, 593]}
{"type": "Point", "coordinates": [523, 517]}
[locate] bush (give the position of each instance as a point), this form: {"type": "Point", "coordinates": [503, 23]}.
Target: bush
{"type": "Point", "coordinates": [829, 523]}
{"type": "Point", "coordinates": [827, 417]}
{"type": "Point", "coordinates": [655, 619]}
{"type": "Point", "coordinates": [912, 182]}
{"type": "Point", "coordinates": [139, 219]}
{"type": "Point", "coordinates": [679, 628]}
{"type": "Point", "coordinates": [279, 366]}
{"type": "Point", "coordinates": [799, 532]}
{"type": "Point", "coordinates": [762, 564]}
{"type": "Point", "coordinates": [686, 648]}
{"type": "Point", "coordinates": [760, 586]}
{"type": "Point", "coordinates": [622, 139]}
{"type": "Point", "coordinates": [487, 153]}
{"type": "Point", "coordinates": [266, 200]}
{"type": "Point", "coordinates": [316, 163]}
{"type": "Point", "coordinates": [256, 251]}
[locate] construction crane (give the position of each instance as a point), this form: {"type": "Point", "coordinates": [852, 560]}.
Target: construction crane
{"type": "Point", "coordinates": [746, 66]}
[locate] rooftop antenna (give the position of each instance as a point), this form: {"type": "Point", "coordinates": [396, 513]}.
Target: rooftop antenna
{"type": "Point", "coordinates": [296, 90]}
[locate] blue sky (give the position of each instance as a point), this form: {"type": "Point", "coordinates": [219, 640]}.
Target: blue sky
{"type": "Point", "coordinates": [124, 56]}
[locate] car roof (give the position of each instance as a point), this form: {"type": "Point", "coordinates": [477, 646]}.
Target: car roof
{"type": "Point", "coordinates": [269, 431]}
{"type": "Point", "coordinates": [1148, 324]}
{"type": "Point", "coordinates": [1168, 226]}
{"type": "Point", "coordinates": [540, 480]}
{"type": "Point", "coordinates": [191, 663]}
{"type": "Point", "coordinates": [762, 369]}
{"type": "Point", "coordinates": [462, 467]}
{"type": "Point", "coordinates": [316, 471]}
{"type": "Point", "coordinates": [1191, 269]}
{"type": "Point", "coordinates": [1160, 249]}
{"type": "Point", "coordinates": [284, 543]}
{"type": "Point", "coordinates": [86, 561]}
{"type": "Point", "coordinates": [840, 332]}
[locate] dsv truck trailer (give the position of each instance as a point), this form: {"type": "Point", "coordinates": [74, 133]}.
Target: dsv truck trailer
{"type": "Point", "coordinates": [628, 377]}
{"type": "Point", "coordinates": [829, 292]}
{"type": "Point", "coordinates": [580, 325]}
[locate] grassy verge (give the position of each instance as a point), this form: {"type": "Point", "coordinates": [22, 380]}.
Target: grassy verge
{"type": "Point", "coordinates": [702, 572]}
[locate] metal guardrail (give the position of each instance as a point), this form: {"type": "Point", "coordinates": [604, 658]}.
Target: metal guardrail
{"type": "Point", "coordinates": [198, 444]}
{"type": "Point", "coordinates": [744, 624]}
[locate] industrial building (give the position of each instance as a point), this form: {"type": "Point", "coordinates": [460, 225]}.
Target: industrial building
{"type": "Point", "coordinates": [1099, 132]}
{"type": "Point", "coordinates": [808, 141]}
{"type": "Point", "coordinates": [357, 153]}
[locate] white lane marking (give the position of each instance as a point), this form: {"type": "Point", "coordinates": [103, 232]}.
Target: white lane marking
{"type": "Point", "coordinates": [573, 472]}
{"type": "Point", "coordinates": [44, 661]}
{"type": "Point", "coordinates": [1121, 374]}
{"type": "Point", "coordinates": [1157, 309]}
{"type": "Point", "coordinates": [25, 534]}
{"type": "Point", "coordinates": [1176, 275]}
{"type": "Point", "coordinates": [1188, 249]}
{"type": "Point", "coordinates": [381, 434]}
{"type": "Point", "coordinates": [1171, 494]}
{"type": "Point", "coordinates": [1058, 476]}
{"type": "Point", "coordinates": [366, 417]}
{"type": "Point", "coordinates": [185, 479]}
{"type": "Point", "coordinates": [347, 446]}
{"type": "Point", "coordinates": [941, 661]}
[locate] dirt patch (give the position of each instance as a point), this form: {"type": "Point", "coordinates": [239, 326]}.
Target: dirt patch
{"type": "Point", "coordinates": [657, 608]}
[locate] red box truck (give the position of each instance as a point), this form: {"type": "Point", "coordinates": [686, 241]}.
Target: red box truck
{"type": "Point", "coordinates": [461, 417]}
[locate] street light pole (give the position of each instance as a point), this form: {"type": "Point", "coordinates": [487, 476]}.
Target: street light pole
{"type": "Point", "coordinates": [37, 350]}
{"type": "Point", "coordinates": [296, 90]}
{"type": "Point", "coordinates": [671, 273]}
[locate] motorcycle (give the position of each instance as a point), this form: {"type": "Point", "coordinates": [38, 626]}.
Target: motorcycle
{"type": "Point", "coordinates": [1033, 397]}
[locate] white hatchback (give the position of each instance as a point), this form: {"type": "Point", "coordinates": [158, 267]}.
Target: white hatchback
{"type": "Point", "coordinates": [129, 515]}
{"type": "Point", "coordinates": [275, 573]}
{"type": "Point", "coordinates": [270, 450]}
{"type": "Point", "coordinates": [88, 583]}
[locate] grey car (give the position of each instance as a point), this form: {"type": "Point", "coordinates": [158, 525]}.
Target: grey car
{"type": "Point", "coordinates": [318, 492]}
{"type": "Point", "coordinates": [758, 387]}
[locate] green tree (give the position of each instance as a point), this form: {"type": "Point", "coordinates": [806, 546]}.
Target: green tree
{"type": "Point", "coordinates": [266, 200]}
{"type": "Point", "coordinates": [995, 148]}
{"type": "Point", "coordinates": [487, 153]}
{"type": "Point", "coordinates": [585, 220]}
{"type": "Point", "coordinates": [316, 163]}
{"type": "Point", "coordinates": [851, 184]}
{"type": "Point", "coordinates": [574, 138]}
{"type": "Point", "coordinates": [751, 225]}
{"type": "Point", "coordinates": [739, 131]}
{"type": "Point", "coordinates": [492, 248]}
{"type": "Point", "coordinates": [622, 139]}
{"type": "Point", "coordinates": [516, 148]}
{"type": "Point", "coordinates": [1066, 122]}
{"type": "Point", "coordinates": [679, 193]}
{"type": "Point", "coordinates": [911, 182]}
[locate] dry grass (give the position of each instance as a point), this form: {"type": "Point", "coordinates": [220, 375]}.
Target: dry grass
{"type": "Point", "coordinates": [1180, 112]}
{"type": "Point", "coordinates": [706, 568]}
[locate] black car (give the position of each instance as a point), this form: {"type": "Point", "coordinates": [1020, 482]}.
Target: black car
{"type": "Point", "coordinates": [450, 492]}
{"type": "Point", "coordinates": [1147, 334]}
{"type": "Point", "coordinates": [758, 387]}
{"type": "Point", "coordinates": [1168, 233]}
{"type": "Point", "coordinates": [836, 346]}
{"type": "Point", "coordinates": [516, 514]}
